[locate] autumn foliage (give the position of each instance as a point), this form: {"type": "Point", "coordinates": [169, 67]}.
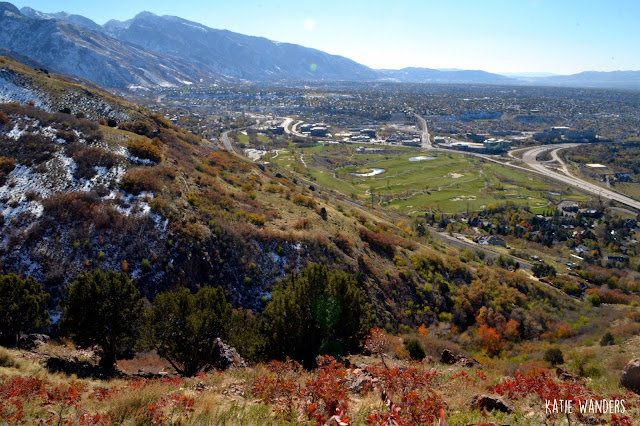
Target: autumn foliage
{"type": "Point", "coordinates": [145, 150]}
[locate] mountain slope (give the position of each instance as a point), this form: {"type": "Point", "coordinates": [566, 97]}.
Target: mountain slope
{"type": "Point", "coordinates": [76, 195]}
{"type": "Point", "coordinates": [238, 55]}
{"type": "Point", "coordinates": [79, 51]}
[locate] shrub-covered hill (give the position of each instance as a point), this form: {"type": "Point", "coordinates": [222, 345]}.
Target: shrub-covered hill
{"type": "Point", "coordinates": [139, 195]}
{"type": "Point", "coordinates": [53, 92]}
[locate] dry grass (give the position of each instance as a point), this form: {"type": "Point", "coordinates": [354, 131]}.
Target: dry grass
{"type": "Point", "coordinates": [226, 399]}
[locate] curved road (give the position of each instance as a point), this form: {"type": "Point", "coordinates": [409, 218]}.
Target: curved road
{"type": "Point", "coordinates": [530, 158]}
{"type": "Point", "coordinates": [227, 142]}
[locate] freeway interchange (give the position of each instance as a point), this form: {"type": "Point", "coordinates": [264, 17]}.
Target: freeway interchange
{"type": "Point", "coordinates": [530, 158]}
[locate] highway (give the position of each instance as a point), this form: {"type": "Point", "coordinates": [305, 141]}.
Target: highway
{"type": "Point", "coordinates": [291, 130]}
{"type": "Point", "coordinates": [530, 158]}
{"type": "Point", "coordinates": [287, 125]}
{"type": "Point", "coordinates": [426, 139]}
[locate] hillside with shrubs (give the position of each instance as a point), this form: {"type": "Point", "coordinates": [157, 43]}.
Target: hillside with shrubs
{"type": "Point", "coordinates": [132, 242]}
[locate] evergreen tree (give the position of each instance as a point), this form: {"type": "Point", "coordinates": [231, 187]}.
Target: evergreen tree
{"type": "Point", "coordinates": [554, 356]}
{"type": "Point", "coordinates": [103, 308]}
{"type": "Point", "coordinates": [182, 327]}
{"type": "Point", "coordinates": [316, 311]}
{"type": "Point", "coordinates": [22, 307]}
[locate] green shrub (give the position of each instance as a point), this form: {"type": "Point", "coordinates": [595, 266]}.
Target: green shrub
{"type": "Point", "coordinates": [183, 327]}
{"type": "Point", "coordinates": [554, 356]}
{"type": "Point", "coordinates": [607, 339]}
{"type": "Point", "coordinates": [103, 308]}
{"type": "Point", "coordinates": [145, 264]}
{"type": "Point", "coordinates": [314, 309]}
{"type": "Point", "coordinates": [415, 349]}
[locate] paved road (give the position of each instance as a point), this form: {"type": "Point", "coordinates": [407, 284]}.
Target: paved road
{"type": "Point", "coordinates": [426, 139]}
{"type": "Point", "coordinates": [291, 130]}
{"type": "Point", "coordinates": [530, 158]}
{"type": "Point", "coordinates": [287, 125]}
{"type": "Point", "coordinates": [556, 158]}
{"type": "Point", "coordinates": [227, 142]}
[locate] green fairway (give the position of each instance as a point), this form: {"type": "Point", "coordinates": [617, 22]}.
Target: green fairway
{"type": "Point", "coordinates": [448, 183]}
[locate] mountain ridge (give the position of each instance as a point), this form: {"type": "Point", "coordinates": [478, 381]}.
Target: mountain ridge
{"type": "Point", "coordinates": [153, 51]}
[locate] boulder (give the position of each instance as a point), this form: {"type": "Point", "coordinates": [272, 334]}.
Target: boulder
{"type": "Point", "coordinates": [630, 378]}
{"type": "Point", "coordinates": [448, 357]}
{"type": "Point", "coordinates": [564, 375]}
{"type": "Point", "coordinates": [225, 356]}
{"type": "Point", "coordinates": [360, 380]}
{"type": "Point", "coordinates": [428, 360]}
{"type": "Point", "coordinates": [490, 403]}
{"type": "Point", "coordinates": [34, 340]}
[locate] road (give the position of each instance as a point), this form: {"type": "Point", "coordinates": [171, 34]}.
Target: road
{"type": "Point", "coordinates": [556, 158]}
{"type": "Point", "coordinates": [287, 125]}
{"type": "Point", "coordinates": [426, 139]}
{"type": "Point", "coordinates": [291, 130]}
{"type": "Point", "coordinates": [227, 142]}
{"type": "Point", "coordinates": [458, 241]}
{"type": "Point", "coordinates": [530, 158]}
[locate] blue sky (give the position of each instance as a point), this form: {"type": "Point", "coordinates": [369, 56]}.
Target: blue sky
{"type": "Point", "coordinates": [560, 36]}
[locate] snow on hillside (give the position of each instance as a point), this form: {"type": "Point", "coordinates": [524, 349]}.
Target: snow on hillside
{"type": "Point", "coordinates": [12, 92]}
{"type": "Point", "coordinates": [26, 185]}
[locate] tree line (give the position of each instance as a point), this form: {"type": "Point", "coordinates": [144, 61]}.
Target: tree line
{"type": "Point", "coordinates": [312, 312]}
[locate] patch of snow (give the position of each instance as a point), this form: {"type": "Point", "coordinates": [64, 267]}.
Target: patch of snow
{"type": "Point", "coordinates": [197, 27]}
{"type": "Point", "coordinates": [10, 92]}
{"type": "Point", "coordinates": [136, 87]}
{"type": "Point", "coordinates": [137, 160]}
{"type": "Point", "coordinates": [16, 132]}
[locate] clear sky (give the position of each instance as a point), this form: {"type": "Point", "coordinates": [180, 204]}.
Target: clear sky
{"type": "Point", "coordinates": [559, 36]}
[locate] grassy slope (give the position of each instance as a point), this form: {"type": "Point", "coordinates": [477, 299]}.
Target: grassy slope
{"type": "Point", "coordinates": [227, 398]}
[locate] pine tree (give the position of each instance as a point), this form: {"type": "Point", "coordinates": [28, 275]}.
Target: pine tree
{"type": "Point", "coordinates": [22, 307]}
{"type": "Point", "coordinates": [314, 312]}
{"type": "Point", "coordinates": [103, 308]}
{"type": "Point", "coordinates": [183, 327]}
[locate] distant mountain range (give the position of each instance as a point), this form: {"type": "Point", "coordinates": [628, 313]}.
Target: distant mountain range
{"type": "Point", "coordinates": [428, 75]}
{"type": "Point", "coordinates": [150, 51]}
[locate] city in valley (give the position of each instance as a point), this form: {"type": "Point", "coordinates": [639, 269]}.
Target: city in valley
{"type": "Point", "coordinates": [204, 227]}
